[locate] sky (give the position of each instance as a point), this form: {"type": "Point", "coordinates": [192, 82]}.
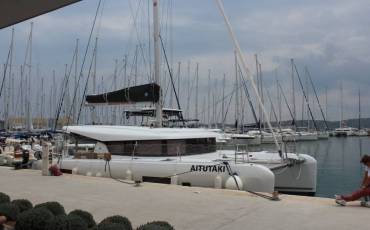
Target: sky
{"type": "Point", "coordinates": [330, 38]}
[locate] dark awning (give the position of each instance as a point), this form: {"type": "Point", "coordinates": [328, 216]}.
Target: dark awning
{"type": "Point", "coordinates": [15, 11]}
{"type": "Point", "coordinates": [150, 112]}
{"type": "Point", "coordinates": [135, 94]}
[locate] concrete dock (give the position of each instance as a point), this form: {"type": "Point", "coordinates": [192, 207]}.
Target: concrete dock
{"type": "Point", "coordinates": [183, 207]}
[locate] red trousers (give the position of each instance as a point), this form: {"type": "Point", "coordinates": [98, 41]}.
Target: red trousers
{"type": "Point", "coordinates": [357, 194]}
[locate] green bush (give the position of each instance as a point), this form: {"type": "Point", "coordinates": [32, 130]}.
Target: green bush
{"type": "Point", "coordinates": [86, 216]}
{"type": "Point", "coordinates": [76, 223]}
{"type": "Point", "coordinates": [123, 221]}
{"type": "Point", "coordinates": [156, 225]}
{"type": "Point", "coordinates": [53, 206]}
{"type": "Point", "coordinates": [23, 205]}
{"type": "Point", "coordinates": [70, 222]}
{"type": "Point", "coordinates": [4, 198]}
{"type": "Point", "coordinates": [58, 223]}
{"type": "Point", "coordinates": [9, 210]}
{"type": "Point", "coordinates": [111, 226]}
{"type": "Point", "coordinates": [34, 219]}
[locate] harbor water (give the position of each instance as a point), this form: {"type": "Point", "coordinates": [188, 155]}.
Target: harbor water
{"type": "Point", "coordinates": [338, 161]}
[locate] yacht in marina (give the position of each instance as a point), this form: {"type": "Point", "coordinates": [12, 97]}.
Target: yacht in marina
{"type": "Point", "coordinates": [344, 131]}
{"type": "Point", "coordinates": [184, 156]}
{"type": "Point", "coordinates": [245, 139]}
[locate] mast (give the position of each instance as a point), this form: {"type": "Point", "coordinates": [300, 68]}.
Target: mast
{"type": "Point", "coordinates": [125, 85]}
{"type": "Point", "coordinates": [214, 118]}
{"type": "Point", "coordinates": [135, 77]}
{"type": "Point", "coordinates": [10, 79]}
{"type": "Point", "coordinates": [236, 93]}
{"type": "Point", "coordinates": [359, 109]}
{"type": "Point", "coordinates": [188, 93]}
{"type": "Point", "coordinates": [42, 103]}
{"type": "Point", "coordinates": [196, 91]}
{"type": "Point", "coordinates": [326, 102]}
{"type": "Point", "coordinates": [278, 96]}
{"type": "Point", "coordinates": [223, 102]}
{"type": "Point", "coordinates": [157, 56]}
{"type": "Point", "coordinates": [308, 102]}
{"type": "Point", "coordinates": [293, 94]}
{"type": "Point", "coordinates": [93, 114]}
{"type": "Point", "coordinates": [29, 118]}
{"type": "Point", "coordinates": [341, 105]}
{"type": "Point", "coordinates": [178, 78]}
{"type": "Point", "coordinates": [114, 117]}
{"type": "Point", "coordinates": [74, 115]}
{"type": "Point", "coordinates": [261, 95]}
{"type": "Point", "coordinates": [209, 99]}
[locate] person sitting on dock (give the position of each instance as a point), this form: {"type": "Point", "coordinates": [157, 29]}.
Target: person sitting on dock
{"type": "Point", "coordinates": [363, 192]}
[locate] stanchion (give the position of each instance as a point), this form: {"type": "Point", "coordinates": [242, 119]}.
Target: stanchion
{"type": "Point", "coordinates": [45, 158]}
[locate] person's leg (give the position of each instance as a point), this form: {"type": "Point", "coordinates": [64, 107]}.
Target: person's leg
{"type": "Point", "coordinates": [357, 195]}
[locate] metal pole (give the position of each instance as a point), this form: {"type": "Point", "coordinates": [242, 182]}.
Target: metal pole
{"type": "Point", "coordinates": [196, 91]}
{"type": "Point", "coordinates": [236, 93]}
{"type": "Point", "coordinates": [157, 61]}
{"type": "Point", "coordinates": [293, 94]}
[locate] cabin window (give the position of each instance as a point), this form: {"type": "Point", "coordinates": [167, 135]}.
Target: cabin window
{"type": "Point", "coordinates": [163, 147]}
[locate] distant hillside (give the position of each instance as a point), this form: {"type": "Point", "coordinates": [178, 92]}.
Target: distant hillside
{"type": "Point", "coordinates": [365, 123]}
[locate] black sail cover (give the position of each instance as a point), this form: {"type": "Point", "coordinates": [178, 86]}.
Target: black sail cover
{"type": "Point", "coordinates": [135, 94]}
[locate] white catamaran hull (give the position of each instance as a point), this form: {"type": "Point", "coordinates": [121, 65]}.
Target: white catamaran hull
{"type": "Point", "coordinates": [259, 171]}
{"type": "Point", "coordinates": [254, 177]}
{"type": "Point", "coordinates": [306, 136]}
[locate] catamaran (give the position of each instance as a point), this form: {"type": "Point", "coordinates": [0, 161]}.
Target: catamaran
{"type": "Point", "coordinates": [181, 156]}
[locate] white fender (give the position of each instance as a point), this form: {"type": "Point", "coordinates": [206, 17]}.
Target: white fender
{"type": "Point", "coordinates": [128, 174]}
{"type": "Point", "coordinates": [75, 171]}
{"type": "Point", "coordinates": [230, 183]}
{"type": "Point", "coordinates": [218, 182]}
{"type": "Point", "coordinates": [174, 180]}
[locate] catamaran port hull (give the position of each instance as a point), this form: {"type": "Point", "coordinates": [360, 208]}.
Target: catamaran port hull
{"type": "Point", "coordinates": [254, 177]}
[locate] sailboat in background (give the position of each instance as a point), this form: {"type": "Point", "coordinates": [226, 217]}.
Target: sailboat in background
{"type": "Point", "coordinates": [360, 132]}
{"type": "Point", "coordinates": [343, 130]}
{"type": "Point", "coordinates": [321, 134]}
{"type": "Point", "coordinates": [239, 137]}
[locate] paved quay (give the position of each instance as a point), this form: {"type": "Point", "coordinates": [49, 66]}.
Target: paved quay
{"type": "Point", "coordinates": [183, 207]}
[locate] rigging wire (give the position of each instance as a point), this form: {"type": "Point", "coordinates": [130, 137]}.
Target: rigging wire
{"type": "Point", "coordinates": [317, 98]}
{"type": "Point", "coordinates": [134, 18]}
{"type": "Point", "coordinates": [64, 90]}
{"type": "Point", "coordinates": [286, 102]}
{"type": "Point", "coordinates": [83, 64]}
{"type": "Point", "coordinates": [86, 85]}
{"type": "Point", "coordinates": [305, 97]}
{"type": "Point", "coordinates": [6, 67]}
{"type": "Point", "coordinates": [172, 82]}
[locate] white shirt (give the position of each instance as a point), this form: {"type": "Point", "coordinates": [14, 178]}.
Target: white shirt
{"type": "Point", "coordinates": [367, 170]}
